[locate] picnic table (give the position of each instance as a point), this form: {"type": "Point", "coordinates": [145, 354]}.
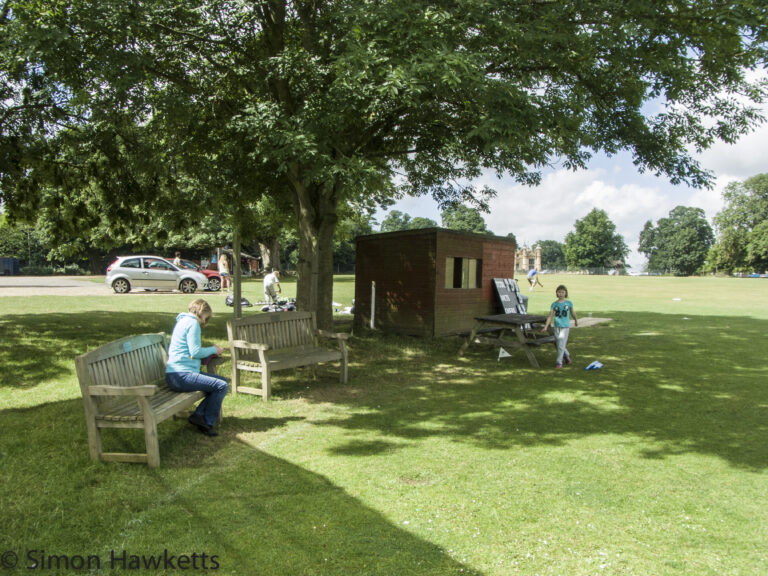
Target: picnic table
{"type": "Point", "coordinates": [496, 329]}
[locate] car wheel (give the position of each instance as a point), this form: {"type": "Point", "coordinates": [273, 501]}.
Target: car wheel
{"type": "Point", "coordinates": [188, 286]}
{"type": "Point", "coordinates": [121, 286]}
{"type": "Point", "coordinates": [214, 284]}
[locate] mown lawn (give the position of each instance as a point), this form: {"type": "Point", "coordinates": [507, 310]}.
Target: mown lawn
{"type": "Point", "coordinates": [425, 463]}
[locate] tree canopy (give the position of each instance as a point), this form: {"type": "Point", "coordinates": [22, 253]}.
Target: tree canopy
{"type": "Point", "coordinates": [678, 244]}
{"type": "Point", "coordinates": [397, 220]}
{"type": "Point", "coordinates": [116, 113]}
{"type": "Point", "coordinates": [552, 254]}
{"type": "Point", "coordinates": [594, 243]}
{"type": "Point", "coordinates": [464, 218]}
{"type": "Point", "coordinates": [742, 227]}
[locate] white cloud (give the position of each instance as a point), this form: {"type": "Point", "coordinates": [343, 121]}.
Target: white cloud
{"type": "Point", "coordinates": [741, 160]}
{"type": "Point", "coordinates": [549, 211]}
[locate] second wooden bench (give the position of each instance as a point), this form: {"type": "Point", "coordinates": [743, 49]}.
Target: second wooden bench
{"type": "Point", "coordinates": [266, 343]}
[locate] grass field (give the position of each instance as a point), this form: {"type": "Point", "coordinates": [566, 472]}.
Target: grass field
{"type": "Point", "coordinates": [426, 463]}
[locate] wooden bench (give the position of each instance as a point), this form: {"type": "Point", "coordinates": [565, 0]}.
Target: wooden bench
{"type": "Point", "coordinates": [265, 343]}
{"type": "Point", "coordinates": [123, 386]}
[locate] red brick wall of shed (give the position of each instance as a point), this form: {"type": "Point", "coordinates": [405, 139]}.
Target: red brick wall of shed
{"type": "Point", "coordinates": [404, 271]}
{"type": "Point", "coordinates": [456, 308]}
{"type": "Point", "coordinates": [498, 262]}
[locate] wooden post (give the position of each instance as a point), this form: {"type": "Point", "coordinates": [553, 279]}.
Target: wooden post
{"type": "Point", "coordinates": [373, 305]}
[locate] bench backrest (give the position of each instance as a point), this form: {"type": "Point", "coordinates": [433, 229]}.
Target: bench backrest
{"type": "Point", "coordinates": [129, 361]}
{"type": "Point", "coordinates": [277, 329]}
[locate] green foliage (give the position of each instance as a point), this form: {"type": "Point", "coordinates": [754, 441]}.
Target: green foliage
{"type": "Point", "coordinates": [464, 218]}
{"type": "Point", "coordinates": [594, 243]}
{"type": "Point", "coordinates": [114, 118]}
{"type": "Point", "coordinates": [742, 233]}
{"type": "Point", "coordinates": [420, 222]}
{"type": "Point", "coordinates": [552, 254]}
{"type": "Point", "coordinates": [396, 220]}
{"type": "Point", "coordinates": [21, 241]}
{"type": "Point", "coordinates": [344, 244]}
{"type": "Point", "coordinates": [678, 244]}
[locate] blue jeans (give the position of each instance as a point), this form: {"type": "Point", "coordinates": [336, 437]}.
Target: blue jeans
{"type": "Point", "coordinates": [214, 386]}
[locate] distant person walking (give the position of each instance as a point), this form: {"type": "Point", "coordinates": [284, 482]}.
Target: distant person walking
{"type": "Point", "coordinates": [562, 312]}
{"type": "Point", "coordinates": [272, 287]}
{"type": "Point", "coordinates": [533, 279]}
{"type": "Point", "coordinates": [224, 272]}
{"type": "Point", "coordinates": [177, 260]}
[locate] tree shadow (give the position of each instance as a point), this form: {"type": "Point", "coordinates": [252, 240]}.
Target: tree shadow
{"type": "Point", "coordinates": [42, 347]}
{"type": "Point", "coordinates": [692, 385]}
{"type": "Point", "coordinates": [248, 511]}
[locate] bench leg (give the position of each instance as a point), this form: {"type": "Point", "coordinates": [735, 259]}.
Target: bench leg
{"type": "Point", "coordinates": [153, 446]}
{"type": "Point", "coordinates": [94, 433]}
{"type": "Point", "coordinates": [235, 378]}
{"type": "Point", "coordinates": [150, 434]}
{"type": "Point", "coordinates": [266, 382]}
{"type": "Point", "coordinates": [94, 440]}
{"type": "Point", "coordinates": [528, 352]}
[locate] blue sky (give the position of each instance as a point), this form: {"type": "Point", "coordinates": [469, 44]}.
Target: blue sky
{"type": "Point", "coordinates": [549, 211]}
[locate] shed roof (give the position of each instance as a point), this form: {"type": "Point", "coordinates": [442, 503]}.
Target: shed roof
{"type": "Point", "coordinates": [432, 231]}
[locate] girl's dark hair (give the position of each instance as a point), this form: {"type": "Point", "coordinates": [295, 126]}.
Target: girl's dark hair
{"type": "Point", "coordinates": [561, 287]}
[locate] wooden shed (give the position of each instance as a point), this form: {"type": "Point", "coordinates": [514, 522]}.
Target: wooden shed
{"type": "Point", "coordinates": [429, 282]}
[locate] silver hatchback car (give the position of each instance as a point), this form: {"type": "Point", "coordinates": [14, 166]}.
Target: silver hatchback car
{"type": "Point", "coordinates": [152, 273]}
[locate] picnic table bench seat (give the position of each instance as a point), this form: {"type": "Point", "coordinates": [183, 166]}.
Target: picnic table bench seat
{"type": "Point", "coordinates": [266, 343]}
{"type": "Point", "coordinates": [123, 386]}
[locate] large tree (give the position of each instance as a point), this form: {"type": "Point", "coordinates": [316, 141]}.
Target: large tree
{"type": "Point", "coordinates": [177, 107]}
{"type": "Point", "coordinates": [395, 221]}
{"type": "Point", "coordinates": [742, 226]}
{"type": "Point", "coordinates": [552, 254]}
{"type": "Point", "coordinates": [678, 244]}
{"type": "Point", "coordinates": [594, 243]}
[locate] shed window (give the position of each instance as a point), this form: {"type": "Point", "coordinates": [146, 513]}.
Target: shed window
{"type": "Point", "coordinates": [463, 272]}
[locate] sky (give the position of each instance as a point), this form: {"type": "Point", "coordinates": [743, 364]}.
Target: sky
{"type": "Point", "coordinates": [550, 210]}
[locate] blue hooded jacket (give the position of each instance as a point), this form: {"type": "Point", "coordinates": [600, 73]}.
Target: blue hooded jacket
{"type": "Point", "coordinates": [185, 350]}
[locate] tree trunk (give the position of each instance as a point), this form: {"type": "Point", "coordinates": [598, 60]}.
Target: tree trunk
{"type": "Point", "coordinates": [316, 211]}
{"type": "Point", "coordinates": [270, 254]}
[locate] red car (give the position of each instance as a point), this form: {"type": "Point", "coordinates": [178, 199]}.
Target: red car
{"type": "Point", "coordinates": [214, 279]}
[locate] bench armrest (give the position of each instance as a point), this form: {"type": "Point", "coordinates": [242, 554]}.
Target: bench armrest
{"type": "Point", "coordinates": [146, 390]}
{"type": "Point", "coordinates": [249, 345]}
{"type": "Point", "coordinates": [337, 335]}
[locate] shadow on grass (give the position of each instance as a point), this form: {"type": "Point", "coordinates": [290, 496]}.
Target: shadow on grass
{"type": "Point", "coordinates": [250, 512]}
{"type": "Point", "coordinates": [42, 347]}
{"type": "Point", "coordinates": [680, 384]}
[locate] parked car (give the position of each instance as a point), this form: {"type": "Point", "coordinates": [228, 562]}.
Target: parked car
{"type": "Point", "coordinates": [214, 279]}
{"type": "Point", "coordinates": [152, 273]}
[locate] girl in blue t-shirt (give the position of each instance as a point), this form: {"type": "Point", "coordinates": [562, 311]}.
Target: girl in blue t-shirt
{"type": "Point", "coordinates": [561, 311]}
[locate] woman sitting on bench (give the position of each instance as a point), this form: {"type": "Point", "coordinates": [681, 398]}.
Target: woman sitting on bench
{"type": "Point", "coordinates": [182, 373]}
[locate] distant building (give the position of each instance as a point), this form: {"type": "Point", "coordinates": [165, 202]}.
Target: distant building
{"type": "Point", "coordinates": [429, 282]}
{"type": "Point", "coordinates": [528, 258]}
